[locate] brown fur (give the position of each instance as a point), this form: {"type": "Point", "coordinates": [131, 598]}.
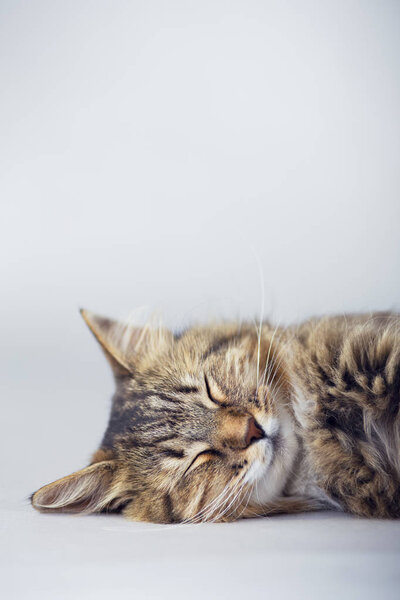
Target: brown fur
{"type": "Point", "coordinates": [348, 369]}
{"type": "Point", "coordinates": [184, 440]}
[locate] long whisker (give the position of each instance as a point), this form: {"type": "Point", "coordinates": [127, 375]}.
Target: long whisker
{"type": "Point", "coordinates": [276, 365]}
{"type": "Point", "coordinates": [236, 496]}
{"type": "Point", "coordinates": [268, 355]}
{"type": "Point", "coordinates": [279, 351]}
{"type": "Point", "coordinates": [209, 516]}
{"type": "Point", "coordinates": [214, 504]}
{"type": "Point", "coordinates": [247, 501]}
{"type": "Point", "coordinates": [281, 359]}
{"type": "Point", "coordinates": [262, 286]}
{"type": "Point", "coordinates": [196, 516]}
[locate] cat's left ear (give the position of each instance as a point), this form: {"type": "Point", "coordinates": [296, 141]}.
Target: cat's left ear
{"type": "Point", "coordinates": [123, 343]}
{"type": "Point", "coordinates": [87, 491]}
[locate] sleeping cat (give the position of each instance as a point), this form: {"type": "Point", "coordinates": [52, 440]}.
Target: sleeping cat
{"type": "Point", "coordinates": [228, 421]}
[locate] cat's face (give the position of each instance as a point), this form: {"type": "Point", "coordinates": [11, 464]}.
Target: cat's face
{"type": "Point", "coordinates": [199, 428]}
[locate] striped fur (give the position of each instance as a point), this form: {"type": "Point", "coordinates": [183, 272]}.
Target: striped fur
{"type": "Point", "coordinates": [226, 421]}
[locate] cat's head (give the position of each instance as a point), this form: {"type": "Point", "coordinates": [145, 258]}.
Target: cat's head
{"type": "Point", "coordinates": [199, 428]}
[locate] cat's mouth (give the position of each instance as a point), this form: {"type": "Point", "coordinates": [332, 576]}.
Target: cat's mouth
{"type": "Point", "coordinates": [273, 446]}
{"type": "Point", "coordinates": [272, 459]}
{"type": "Point", "coordinates": [267, 450]}
{"type": "Point", "coordinates": [272, 430]}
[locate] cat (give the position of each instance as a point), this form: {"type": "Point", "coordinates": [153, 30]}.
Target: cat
{"type": "Point", "coordinates": [229, 421]}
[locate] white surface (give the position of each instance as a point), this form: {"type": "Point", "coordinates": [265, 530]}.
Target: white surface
{"type": "Point", "coordinates": [303, 557]}
{"type": "Point", "coordinates": [148, 151]}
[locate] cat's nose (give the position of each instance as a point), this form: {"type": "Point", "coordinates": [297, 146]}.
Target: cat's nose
{"type": "Point", "coordinates": [254, 431]}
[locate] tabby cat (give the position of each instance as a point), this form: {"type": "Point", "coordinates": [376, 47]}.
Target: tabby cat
{"type": "Point", "coordinates": [228, 421]}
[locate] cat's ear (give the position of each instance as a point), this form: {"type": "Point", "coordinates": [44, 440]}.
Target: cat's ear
{"type": "Point", "coordinates": [87, 491]}
{"type": "Point", "coordinates": [119, 341]}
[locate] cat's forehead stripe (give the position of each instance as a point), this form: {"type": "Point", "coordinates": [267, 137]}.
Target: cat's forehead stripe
{"type": "Point", "coordinates": [187, 389]}
{"type": "Point", "coordinates": [218, 345]}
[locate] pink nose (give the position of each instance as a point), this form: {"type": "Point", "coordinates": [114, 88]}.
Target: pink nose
{"type": "Point", "coordinates": [254, 431]}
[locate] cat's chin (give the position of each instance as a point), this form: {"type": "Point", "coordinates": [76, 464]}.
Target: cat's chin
{"type": "Point", "coordinates": [273, 460]}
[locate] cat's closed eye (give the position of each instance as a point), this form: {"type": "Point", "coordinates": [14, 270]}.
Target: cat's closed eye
{"type": "Point", "coordinates": [202, 458]}
{"type": "Point", "coordinates": [213, 393]}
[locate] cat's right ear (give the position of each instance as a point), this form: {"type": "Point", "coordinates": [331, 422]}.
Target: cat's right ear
{"type": "Point", "coordinates": [119, 341]}
{"type": "Point", "coordinates": [89, 490]}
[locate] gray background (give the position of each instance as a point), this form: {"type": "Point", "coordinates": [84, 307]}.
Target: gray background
{"type": "Point", "coordinates": [199, 159]}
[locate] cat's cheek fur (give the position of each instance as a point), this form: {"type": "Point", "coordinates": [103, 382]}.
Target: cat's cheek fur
{"type": "Point", "coordinates": [151, 510]}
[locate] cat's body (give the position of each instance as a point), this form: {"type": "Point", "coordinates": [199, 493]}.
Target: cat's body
{"type": "Point", "coordinates": [227, 421]}
{"type": "Point", "coordinates": [346, 397]}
